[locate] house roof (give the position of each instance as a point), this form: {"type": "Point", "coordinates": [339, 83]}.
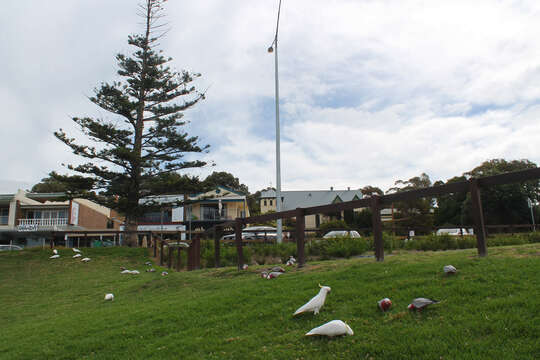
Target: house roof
{"type": "Point", "coordinates": [309, 198]}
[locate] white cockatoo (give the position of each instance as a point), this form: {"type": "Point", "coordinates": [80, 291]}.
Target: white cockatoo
{"type": "Point", "coordinates": [55, 256]}
{"type": "Point", "coordinates": [164, 273]}
{"type": "Point", "coordinates": [85, 259]}
{"type": "Point", "coordinates": [109, 297]}
{"type": "Point", "coordinates": [126, 271]}
{"type": "Point", "coordinates": [55, 252]}
{"type": "Point", "coordinates": [135, 272]}
{"type": "Point", "coordinates": [77, 251]}
{"type": "Point", "coordinates": [277, 269]}
{"type": "Point", "coordinates": [449, 270]}
{"type": "Point", "coordinates": [77, 255]}
{"type": "Point", "coordinates": [421, 303]}
{"type": "Point", "coordinates": [316, 303]}
{"type": "Point", "coordinates": [331, 329]}
{"type": "Point", "coordinates": [245, 266]}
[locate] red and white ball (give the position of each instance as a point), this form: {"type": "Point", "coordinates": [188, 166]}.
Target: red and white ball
{"type": "Point", "coordinates": [384, 304]}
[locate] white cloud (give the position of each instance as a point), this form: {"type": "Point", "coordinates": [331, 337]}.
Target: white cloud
{"type": "Point", "coordinates": [371, 91]}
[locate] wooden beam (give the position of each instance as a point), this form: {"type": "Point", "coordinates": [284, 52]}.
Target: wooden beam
{"type": "Point", "coordinates": [238, 241]}
{"type": "Point", "coordinates": [377, 227]}
{"type": "Point", "coordinates": [478, 215]}
{"type": "Point", "coordinates": [217, 247]}
{"type": "Point", "coordinates": [300, 235]}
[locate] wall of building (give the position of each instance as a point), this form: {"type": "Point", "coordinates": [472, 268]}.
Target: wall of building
{"type": "Point", "coordinates": [91, 219]}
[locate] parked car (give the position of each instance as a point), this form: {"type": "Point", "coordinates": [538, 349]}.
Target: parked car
{"type": "Point", "coordinates": [452, 232]}
{"type": "Point", "coordinates": [10, 247]}
{"type": "Point", "coordinates": [253, 233]}
{"type": "Point", "coordinates": [341, 233]}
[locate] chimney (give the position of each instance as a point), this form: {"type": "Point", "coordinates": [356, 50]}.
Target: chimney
{"type": "Point", "coordinates": [331, 188]}
{"type": "Point", "coordinates": [348, 188]}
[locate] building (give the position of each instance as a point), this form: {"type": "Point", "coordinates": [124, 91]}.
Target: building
{"type": "Point", "coordinates": [31, 219]}
{"type": "Point", "coordinates": [291, 200]}
{"type": "Point", "coordinates": [216, 206]}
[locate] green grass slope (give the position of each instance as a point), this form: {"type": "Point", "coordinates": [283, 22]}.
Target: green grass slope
{"type": "Point", "coordinates": [54, 309]}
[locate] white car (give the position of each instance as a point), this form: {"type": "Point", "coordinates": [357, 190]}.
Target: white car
{"type": "Point", "coordinates": [342, 233]}
{"type": "Point", "coordinates": [254, 232]}
{"type": "Point", "coordinates": [10, 247]}
{"type": "Point", "coordinates": [452, 232]}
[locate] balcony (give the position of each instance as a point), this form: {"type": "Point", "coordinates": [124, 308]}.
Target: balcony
{"type": "Point", "coordinates": [42, 223]}
{"type": "Point", "coordinates": [3, 220]}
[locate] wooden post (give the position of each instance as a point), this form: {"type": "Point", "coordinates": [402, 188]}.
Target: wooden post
{"type": "Point", "coordinates": [161, 253]}
{"type": "Point", "coordinates": [197, 252]}
{"type": "Point", "coordinates": [478, 215]}
{"type": "Point", "coordinates": [154, 243]}
{"type": "Point", "coordinates": [217, 255]}
{"type": "Point", "coordinates": [238, 241]}
{"type": "Point", "coordinates": [377, 227]}
{"type": "Point", "coordinates": [300, 235]}
{"type": "Point", "coordinates": [178, 259]}
{"type": "Point", "coordinates": [169, 257]}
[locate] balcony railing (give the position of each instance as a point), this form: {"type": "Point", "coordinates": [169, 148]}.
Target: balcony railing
{"type": "Point", "coordinates": [4, 220]}
{"type": "Point", "coordinates": [44, 222]}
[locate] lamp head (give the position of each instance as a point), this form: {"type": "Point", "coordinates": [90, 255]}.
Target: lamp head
{"type": "Point", "coordinates": [271, 49]}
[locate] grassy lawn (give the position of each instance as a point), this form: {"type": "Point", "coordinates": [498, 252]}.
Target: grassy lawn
{"type": "Point", "coordinates": [55, 308]}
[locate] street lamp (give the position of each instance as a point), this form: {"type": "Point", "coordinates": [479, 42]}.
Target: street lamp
{"type": "Point", "coordinates": [274, 49]}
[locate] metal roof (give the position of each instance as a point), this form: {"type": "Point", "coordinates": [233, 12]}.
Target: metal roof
{"type": "Point", "coordinates": [309, 198]}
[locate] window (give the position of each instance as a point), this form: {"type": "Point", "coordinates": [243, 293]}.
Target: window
{"type": "Point", "coordinates": [271, 203]}
{"type": "Point", "coordinates": [4, 216]}
{"type": "Point", "coordinates": [264, 202]}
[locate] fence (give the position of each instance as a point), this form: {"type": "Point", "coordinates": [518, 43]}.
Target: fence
{"type": "Point", "coordinates": [376, 203]}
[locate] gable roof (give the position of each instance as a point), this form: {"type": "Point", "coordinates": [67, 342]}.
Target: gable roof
{"type": "Point", "coordinates": [309, 198]}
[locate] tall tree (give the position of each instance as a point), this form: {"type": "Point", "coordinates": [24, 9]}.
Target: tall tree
{"type": "Point", "coordinates": [144, 138]}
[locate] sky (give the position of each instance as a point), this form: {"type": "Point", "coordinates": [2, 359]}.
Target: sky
{"type": "Point", "coordinates": [371, 91]}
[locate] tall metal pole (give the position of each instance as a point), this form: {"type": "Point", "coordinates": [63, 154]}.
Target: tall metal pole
{"type": "Point", "coordinates": [274, 47]}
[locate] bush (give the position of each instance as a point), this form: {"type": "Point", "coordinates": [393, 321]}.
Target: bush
{"type": "Point", "coordinates": [334, 224]}
{"type": "Point", "coordinates": [344, 247]}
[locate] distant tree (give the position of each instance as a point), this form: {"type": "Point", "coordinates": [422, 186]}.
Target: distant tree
{"type": "Point", "coordinates": [414, 214]}
{"type": "Point", "coordinates": [450, 207]}
{"type": "Point", "coordinates": [144, 138]}
{"type": "Point", "coordinates": [225, 179]}
{"type": "Point", "coordinates": [504, 204]}
{"type": "Point", "coordinates": [370, 190]}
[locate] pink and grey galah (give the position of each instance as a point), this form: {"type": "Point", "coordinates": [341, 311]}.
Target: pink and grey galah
{"type": "Point", "coordinates": [421, 303]}
{"type": "Point", "coordinates": [316, 302]}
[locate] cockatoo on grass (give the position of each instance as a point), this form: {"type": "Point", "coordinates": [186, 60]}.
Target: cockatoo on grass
{"type": "Point", "coordinates": [316, 303]}
{"type": "Point", "coordinates": [148, 263]}
{"type": "Point", "coordinates": [291, 261]}
{"type": "Point", "coordinates": [55, 256]}
{"type": "Point", "coordinates": [126, 271]}
{"type": "Point", "coordinates": [135, 272]}
{"type": "Point", "coordinates": [85, 259]}
{"type": "Point", "coordinates": [273, 274]}
{"type": "Point", "coordinates": [77, 255]}
{"type": "Point", "coordinates": [384, 304]}
{"type": "Point", "coordinates": [421, 303]}
{"type": "Point", "coordinates": [77, 251]}
{"type": "Point", "coordinates": [449, 270]}
{"type": "Point", "coordinates": [55, 252]}
{"type": "Point", "coordinates": [278, 269]}
{"type": "Point", "coordinates": [164, 273]}
{"type": "Point", "coordinates": [151, 270]}
{"type": "Point", "coordinates": [244, 267]}
{"type": "Point", "coordinates": [331, 329]}
{"type": "Point", "coordinates": [109, 297]}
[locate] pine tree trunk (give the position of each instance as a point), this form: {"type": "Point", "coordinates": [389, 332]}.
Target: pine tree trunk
{"type": "Point", "coordinates": [131, 233]}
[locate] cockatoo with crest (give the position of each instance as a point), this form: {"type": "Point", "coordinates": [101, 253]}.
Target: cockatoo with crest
{"type": "Point", "coordinates": [76, 250]}
{"type": "Point", "coordinates": [449, 270]}
{"type": "Point", "coordinates": [316, 303]}
{"type": "Point", "coordinates": [420, 303]}
{"type": "Point", "coordinates": [331, 329]}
